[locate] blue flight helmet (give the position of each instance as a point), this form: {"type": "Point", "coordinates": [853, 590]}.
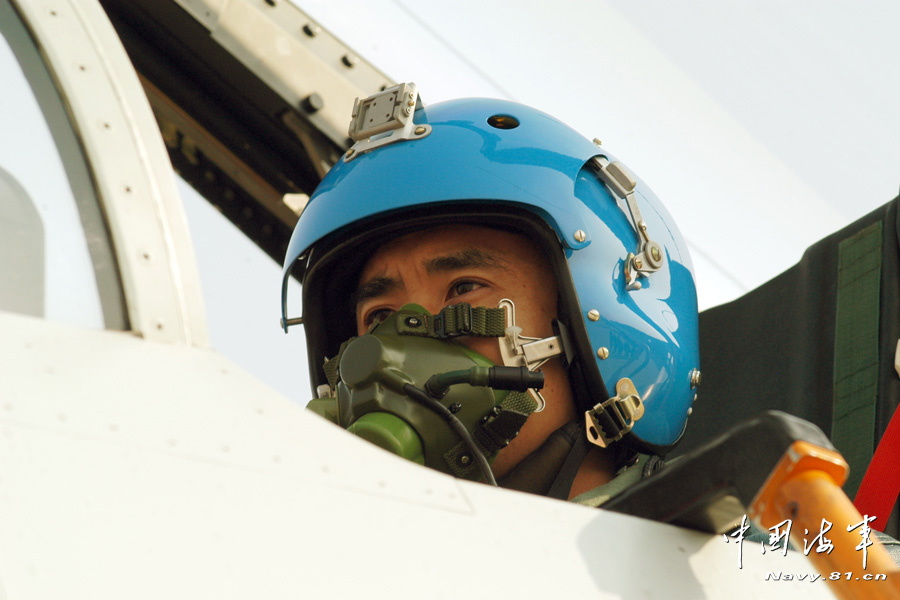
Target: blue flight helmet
{"type": "Point", "coordinates": [628, 302]}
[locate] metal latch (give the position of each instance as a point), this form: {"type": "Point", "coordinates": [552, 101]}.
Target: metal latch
{"type": "Point", "coordinates": [385, 118]}
{"type": "Point", "coordinates": [649, 255]}
{"type": "Point", "coordinates": [610, 420]}
{"type": "Point", "coordinates": [518, 350]}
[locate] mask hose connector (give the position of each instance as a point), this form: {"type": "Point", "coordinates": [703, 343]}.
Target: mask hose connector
{"type": "Point", "coordinates": [519, 379]}
{"type": "Point", "coordinates": [456, 425]}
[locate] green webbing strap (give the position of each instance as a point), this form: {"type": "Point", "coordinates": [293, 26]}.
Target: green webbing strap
{"type": "Point", "coordinates": [498, 429]}
{"type": "Point", "coordinates": [454, 321]}
{"type": "Point", "coordinates": [331, 365]}
{"type": "Point", "coordinates": [494, 433]}
{"type": "Point", "coordinates": [856, 350]}
{"type": "Point", "coordinates": [331, 370]}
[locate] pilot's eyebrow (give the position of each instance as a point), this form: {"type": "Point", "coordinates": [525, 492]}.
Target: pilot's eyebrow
{"type": "Point", "coordinates": [464, 259]}
{"type": "Point", "coordinates": [375, 287]}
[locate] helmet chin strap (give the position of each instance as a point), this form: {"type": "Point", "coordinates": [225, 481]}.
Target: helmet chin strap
{"type": "Point", "coordinates": [518, 350]}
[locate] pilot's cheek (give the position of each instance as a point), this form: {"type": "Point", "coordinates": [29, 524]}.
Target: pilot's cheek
{"type": "Point", "coordinates": [487, 347]}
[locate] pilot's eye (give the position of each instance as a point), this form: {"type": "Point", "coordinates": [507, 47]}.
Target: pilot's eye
{"type": "Point", "coordinates": [379, 314]}
{"type": "Point", "coordinates": [463, 287]}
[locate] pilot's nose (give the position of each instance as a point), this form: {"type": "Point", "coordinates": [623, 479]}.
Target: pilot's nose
{"type": "Point", "coordinates": [433, 308]}
{"type": "Point", "coordinates": [431, 304]}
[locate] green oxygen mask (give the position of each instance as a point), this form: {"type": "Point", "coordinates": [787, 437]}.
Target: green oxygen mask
{"type": "Point", "coordinates": [410, 388]}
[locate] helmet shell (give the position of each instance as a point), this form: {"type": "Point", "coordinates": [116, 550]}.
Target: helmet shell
{"type": "Point", "coordinates": [540, 170]}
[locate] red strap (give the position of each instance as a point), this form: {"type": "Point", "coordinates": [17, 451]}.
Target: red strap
{"type": "Point", "coordinates": [881, 484]}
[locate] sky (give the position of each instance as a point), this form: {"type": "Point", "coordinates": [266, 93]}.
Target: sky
{"type": "Point", "coordinates": [763, 126]}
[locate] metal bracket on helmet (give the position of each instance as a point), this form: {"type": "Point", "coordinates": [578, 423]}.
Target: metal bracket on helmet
{"type": "Point", "coordinates": [610, 420]}
{"type": "Point", "coordinates": [518, 350]}
{"type": "Point", "coordinates": [649, 255]}
{"type": "Point", "coordinates": [385, 118]}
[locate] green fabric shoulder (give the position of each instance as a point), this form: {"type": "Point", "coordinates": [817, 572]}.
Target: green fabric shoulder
{"type": "Point", "coordinates": [625, 477]}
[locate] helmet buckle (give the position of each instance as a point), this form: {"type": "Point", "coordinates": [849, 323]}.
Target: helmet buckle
{"type": "Point", "coordinates": [610, 420]}
{"type": "Point", "coordinates": [518, 350]}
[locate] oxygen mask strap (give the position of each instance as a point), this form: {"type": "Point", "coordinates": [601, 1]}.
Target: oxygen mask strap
{"type": "Point", "coordinates": [454, 321]}
{"type": "Point", "coordinates": [505, 421]}
{"type": "Point", "coordinates": [494, 433]}
{"type": "Point", "coordinates": [330, 366]}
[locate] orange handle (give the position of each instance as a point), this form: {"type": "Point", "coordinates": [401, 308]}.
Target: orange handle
{"type": "Point", "coordinates": [805, 488]}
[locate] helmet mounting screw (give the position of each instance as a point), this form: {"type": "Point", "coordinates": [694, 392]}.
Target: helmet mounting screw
{"type": "Point", "coordinates": [464, 459]}
{"type": "Point", "coordinates": [594, 314]}
{"type": "Point", "coordinates": [695, 378]}
{"type": "Point", "coordinates": [603, 353]}
{"type": "Point", "coordinates": [455, 407]}
{"type": "Point", "coordinates": [580, 236]}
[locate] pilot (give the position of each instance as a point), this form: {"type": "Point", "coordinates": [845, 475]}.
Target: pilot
{"type": "Point", "coordinates": [489, 293]}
